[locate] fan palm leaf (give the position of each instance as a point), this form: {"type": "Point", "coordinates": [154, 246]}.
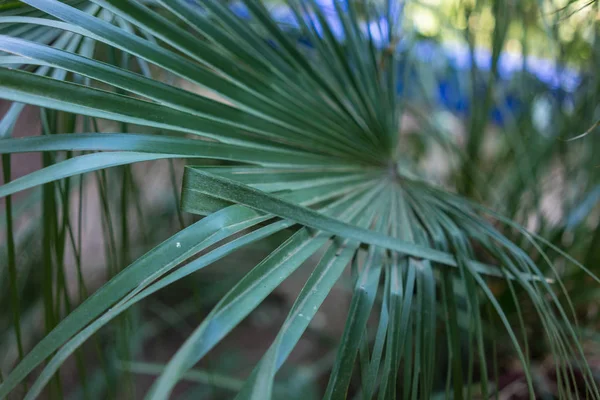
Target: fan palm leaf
{"type": "Point", "coordinates": [311, 136]}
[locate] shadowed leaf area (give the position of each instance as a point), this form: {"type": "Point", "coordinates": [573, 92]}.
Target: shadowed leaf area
{"type": "Point", "coordinates": [299, 199]}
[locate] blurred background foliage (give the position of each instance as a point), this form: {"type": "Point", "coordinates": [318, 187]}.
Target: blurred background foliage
{"type": "Point", "coordinates": [491, 93]}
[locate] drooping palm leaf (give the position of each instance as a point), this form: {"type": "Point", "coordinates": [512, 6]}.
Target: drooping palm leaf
{"type": "Point", "coordinates": [313, 132]}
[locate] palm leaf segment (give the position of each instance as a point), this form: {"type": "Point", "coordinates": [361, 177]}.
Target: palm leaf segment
{"type": "Point", "coordinates": [313, 133]}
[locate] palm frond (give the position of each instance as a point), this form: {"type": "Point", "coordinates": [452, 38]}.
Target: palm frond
{"type": "Point", "coordinates": [311, 137]}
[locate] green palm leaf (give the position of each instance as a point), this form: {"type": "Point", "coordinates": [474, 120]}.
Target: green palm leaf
{"type": "Point", "coordinates": [310, 144]}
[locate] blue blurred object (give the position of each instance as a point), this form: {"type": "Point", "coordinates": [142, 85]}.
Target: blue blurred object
{"type": "Point", "coordinates": [449, 64]}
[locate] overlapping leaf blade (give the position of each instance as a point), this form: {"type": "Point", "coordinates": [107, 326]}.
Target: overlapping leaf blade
{"type": "Point", "coordinates": [320, 130]}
